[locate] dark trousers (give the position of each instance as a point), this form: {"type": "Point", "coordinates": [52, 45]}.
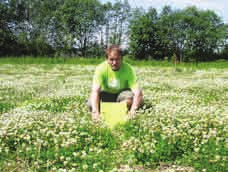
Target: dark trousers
{"type": "Point", "coordinates": [110, 97]}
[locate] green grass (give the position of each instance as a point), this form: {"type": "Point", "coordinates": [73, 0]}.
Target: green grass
{"type": "Point", "coordinates": [184, 120]}
{"type": "Point", "coordinates": [11, 98]}
{"type": "Point", "coordinates": [94, 61]}
{"type": "Point", "coordinates": [49, 60]}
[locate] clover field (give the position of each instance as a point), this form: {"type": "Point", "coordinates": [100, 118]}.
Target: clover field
{"type": "Point", "coordinates": [45, 125]}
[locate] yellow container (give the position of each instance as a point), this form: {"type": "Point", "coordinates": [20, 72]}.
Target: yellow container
{"type": "Point", "coordinates": [114, 113]}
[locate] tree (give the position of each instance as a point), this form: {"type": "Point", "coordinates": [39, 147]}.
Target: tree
{"type": "Point", "coordinates": [166, 10]}
{"type": "Point", "coordinates": [21, 27]}
{"type": "Point", "coordinates": [144, 39]}
{"type": "Point", "coordinates": [116, 22]}
{"type": "Point", "coordinates": [80, 19]}
{"type": "Point", "coordinates": [7, 36]}
{"type": "Point", "coordinates": [205, 34]}
{"type": "Point", "coordinates": [192, 30]}
{"type": "Point", "coordinates": [47, 22]}
{"type": "Point", "coordinates": [224, 53]}
{"type": "Point", "coordinates": [174, 30]}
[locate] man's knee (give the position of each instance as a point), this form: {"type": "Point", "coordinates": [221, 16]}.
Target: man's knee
{"type": "Point", "coordinates": [126, 96]}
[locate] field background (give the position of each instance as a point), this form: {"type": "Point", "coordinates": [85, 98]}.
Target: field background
{"type": "Point", "coordinates": [45, 125]}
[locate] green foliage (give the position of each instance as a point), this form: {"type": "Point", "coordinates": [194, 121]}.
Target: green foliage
{"type": "Point", "coordinates": [48, 60]}
{"type": "Point", "coordinates": [209, 95]}
{"type": "Point", "coordinates": [150, 43]}
{"type": "Point", "coordinates": [84, 146]}
{"type": "Point", "coordinates": [56, 104]}
{"type": "Point", "coordinates": [225, 52]}
{"type": "Point", "coordinates": [190, 31]}
{"type": "Point", "coordinates": [85, 28]}
{"type": "Point", "coordinates": [81, 18]}
{"type": "Point", "coordinates": [220, 64]}
{"type": "Point", "coordinates": [116, 22]}
{"type": "Point", "coordinates": [7, 36]}
{"type": "Point", "coordinates": [11, 98]}
{"type": "Point", "coordinates": [4, 107]}
{"type": "Point", "coordinates": [183, 121]}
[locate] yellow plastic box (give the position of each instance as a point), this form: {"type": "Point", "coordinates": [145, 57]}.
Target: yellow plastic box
{"type": "Point", "coordinates": [114, 113]}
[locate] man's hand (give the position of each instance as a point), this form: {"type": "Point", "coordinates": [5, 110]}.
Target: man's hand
{"type": "Point", "coordinates": [96, 116]}
{"type": "Point", "coordinates": [131, 114]}
{"type": "Point", "coordinates": [95, 100]}
{"type": "Point", "coordinates": [137, 100]}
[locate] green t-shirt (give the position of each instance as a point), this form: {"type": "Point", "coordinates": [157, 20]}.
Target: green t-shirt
{"type": "Point", "coordinates": [115, 81]}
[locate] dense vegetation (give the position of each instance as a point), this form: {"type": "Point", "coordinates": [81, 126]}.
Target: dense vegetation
{"type": "Point", "coordinates": [73, 28]}
{"type": "Point", "coordinates": [45, 125]}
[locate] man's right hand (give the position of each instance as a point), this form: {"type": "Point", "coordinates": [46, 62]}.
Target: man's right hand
{"type": "Point", "coordinates": [96, 116]}
{"type": "Point", "coordinates": [95, 100]}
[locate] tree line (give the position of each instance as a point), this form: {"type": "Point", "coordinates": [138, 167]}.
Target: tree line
{"type": "Point", "coordinates": [72, 28]}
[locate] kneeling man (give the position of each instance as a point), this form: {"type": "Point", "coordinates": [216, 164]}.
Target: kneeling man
{"type": "Point", "coordinates": [114, 81]}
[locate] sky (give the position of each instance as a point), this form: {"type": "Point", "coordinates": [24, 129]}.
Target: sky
{"type": "Point", "coordinates": [219, 6]}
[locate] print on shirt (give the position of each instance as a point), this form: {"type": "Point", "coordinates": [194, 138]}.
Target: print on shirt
{"type": "Point", "coordinates": [114, 84]}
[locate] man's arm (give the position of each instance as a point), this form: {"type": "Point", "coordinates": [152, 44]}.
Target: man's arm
{"type": "Point", "coordinates": [95, 101]}
{"type": "Point", "coordinates": [137, 100]}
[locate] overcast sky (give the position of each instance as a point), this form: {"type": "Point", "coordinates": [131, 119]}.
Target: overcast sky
{"type": "Point", "coordinates": [219, 6]}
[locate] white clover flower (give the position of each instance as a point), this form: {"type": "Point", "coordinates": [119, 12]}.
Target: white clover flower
{"type": "Point", "coordinates": [114, 170]}
{"type": "Point", "coordinates": [28, 149]}
{"type": "Point", "coordinates": [217, 157]}
{"type": "Point", "coordinates": [85, 166]}
{"type": "Point", "coordinates": [141, 150]}
{"type": "Point", "coordinates": [72, 170]}
{"type": "Point", "coordinates": [152, 151]}
{"type": "Point", "coordinates": [91, 149]}
{"type": "Point", "coordinates": [36, 164]}
{"type": "Point", "coordinates": [95, 165]}
{"type": "Point", "coordinates": [62, 158]}
{"type": "Point", "coordinates": [54, 169]}
{"type": "Point", "coordinates": [45, 143]}
{"type": "Point", "coordinates": [206, 136]}
{"type": "Point", "coordinates": [196, 149]}
{"type": "Point", "coordinates": [68, 159]}
{"type": "Point", "coordinates": [50, 133]}
{"type": "Point", "coordinates": [99, 151]}
{"type": "Point", "coordinates": [75, 154]}
{"type": "Point", "coordinates": [65, 163]}
{"type": "Point", "coordinates": [9, 164]}
{"type": "Point", "coordinates": [7, 150]}
{"type": "Point", "coordinates": [74, 164]}
{"type": "Point", "coordinates": [62, 170]}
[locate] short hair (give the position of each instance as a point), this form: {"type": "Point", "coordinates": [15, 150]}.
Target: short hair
{"type": "Point", "coordinates": [115, 48]}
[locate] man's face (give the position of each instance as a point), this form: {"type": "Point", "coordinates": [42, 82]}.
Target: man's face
{"type": "Point", "coordinates": [114, 60]}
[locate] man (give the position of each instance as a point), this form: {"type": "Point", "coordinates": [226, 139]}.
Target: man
{"type": "Point", "coordinates": [114, 81]}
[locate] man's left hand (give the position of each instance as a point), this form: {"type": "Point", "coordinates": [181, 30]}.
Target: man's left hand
{"type": "Point", "coordinates": [131, 114]}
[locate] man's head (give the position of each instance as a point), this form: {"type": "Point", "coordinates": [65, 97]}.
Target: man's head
{"type": "Point", "coordinates": [114, 57]}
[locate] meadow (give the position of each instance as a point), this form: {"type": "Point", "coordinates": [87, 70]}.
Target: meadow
{"type": "Point", "coordinates": [45, 125]}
